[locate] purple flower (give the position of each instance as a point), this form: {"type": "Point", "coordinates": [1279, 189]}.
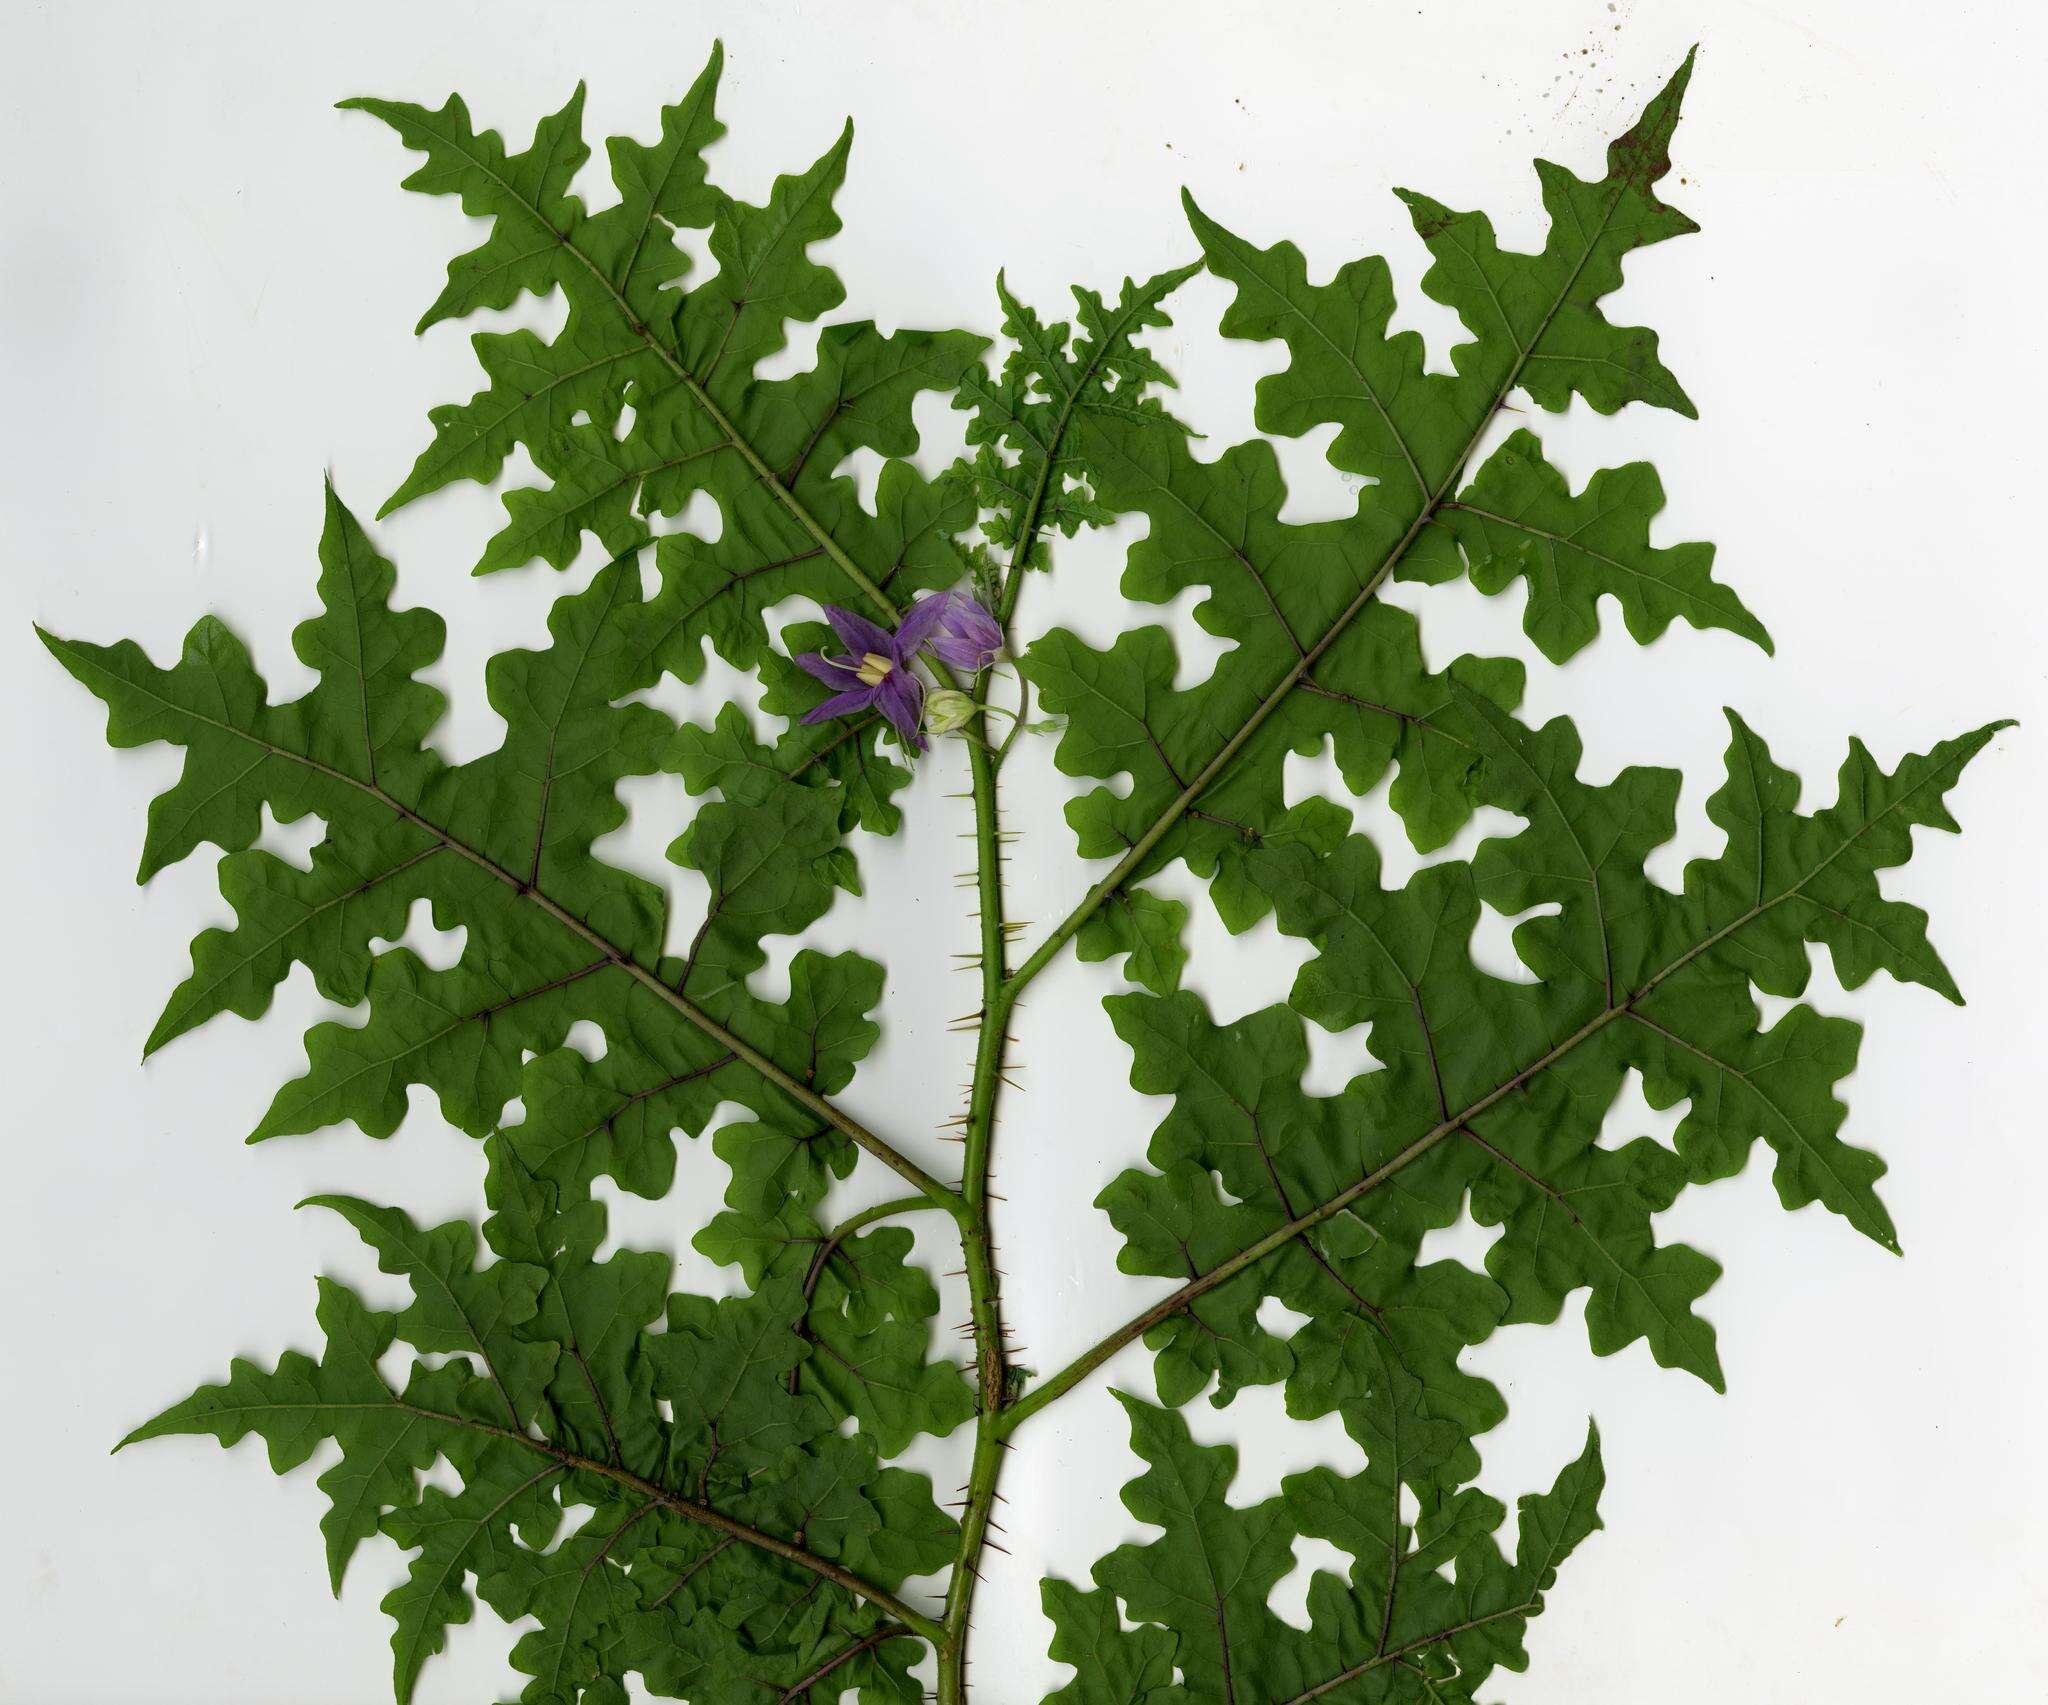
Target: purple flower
{"type": "Point", "coordinates": [876, 672]}
{"type": "Point", "coordinates": [963, 634]}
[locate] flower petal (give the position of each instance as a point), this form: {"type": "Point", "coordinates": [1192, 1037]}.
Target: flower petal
{"type": "Point", "coordinates": [919, 621]}
{"type": "Point", "coordinates": [843, 704]}
{"type": "Point", "coordinates": [830, 670]}
{"type": "Point", "coordinates": [900, 698]}
{"type": "Point", "coordinates": [963, 634]}
{"type": "Point", "coordinates": [858, 634]}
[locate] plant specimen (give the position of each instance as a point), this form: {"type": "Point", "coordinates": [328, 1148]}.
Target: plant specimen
{"type": "Point", "coordinates": [703, 1495]}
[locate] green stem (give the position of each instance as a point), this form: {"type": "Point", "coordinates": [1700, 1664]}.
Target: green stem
{"type": "Point", "coordinates": [881, 1211]}
{"type": "Point", "coordinates": [1016, 716]}
{"type": "Point", "coordinates": [977, 1242]}
{"type": "Point", "coordinates": [998, 1000]}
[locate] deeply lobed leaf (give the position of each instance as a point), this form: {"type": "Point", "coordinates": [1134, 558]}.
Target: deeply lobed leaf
{"type": "Point", "coordinates": [661, 1433]}
{"type": "Point", "coordinates": [1425, 1611]}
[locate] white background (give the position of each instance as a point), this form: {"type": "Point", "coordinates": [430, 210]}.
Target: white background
{"type": "Point", "coordinates": [208, 276]}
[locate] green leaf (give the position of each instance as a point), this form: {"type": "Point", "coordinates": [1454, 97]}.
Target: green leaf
{"type": "Point", "coordinates": [1478, 1091]}
{"type": "Point", "coordinates": [1422, 1602]}
{"type": "Point", "coordinates": [1206, 1578]}
{"type": "Point", "coordinates": [545, 1409]}
{"type": "Point", "coordinates": [502, 848]}
{"type": "Point", "coordinates": [507, 1496]}
{"type": "Point", "coordinates": [304, 1402]}
{"type": "Point", "coordinates": [585, 1595]}
{"type": "Point", "coordinates": [526, 196]}
{"type": "Point", "coordinates": [1279, 590]}
{"type": "Point", "coordinates": [1535, 317]}
{"type": "Point", "coordinates": [1496, 1090]}
{"type": "Point", "coordinates": [868, 1323]}
{"type": "Point", "coordinates": [1029, 469]}
{"type": "Point", "coordinates": [457, 1306]}
{"type": "Point", "coordinates": [1518, 520]}
{"type": "Point", "coordinates": [571, 1379]}
{"type": "Point", "coordinates": [1144, 931]}
{"type": "Point", "coordinates": [1111, 1667]}
{"type": "Point", "coordinates": [1315, 655]}
{"type": "Point", "coordinates": [682, 361]}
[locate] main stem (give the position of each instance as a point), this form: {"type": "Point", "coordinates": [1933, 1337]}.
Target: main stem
{"type": "Point", "coordinates": [977, 1242]}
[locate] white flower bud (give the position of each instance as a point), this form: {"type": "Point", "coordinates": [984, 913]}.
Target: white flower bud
{"type": "Point", "coordinates": [947, 710]}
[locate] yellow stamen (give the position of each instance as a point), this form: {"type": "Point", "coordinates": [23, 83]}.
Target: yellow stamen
{"type": "Point", "coordinates": [873, 668]}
